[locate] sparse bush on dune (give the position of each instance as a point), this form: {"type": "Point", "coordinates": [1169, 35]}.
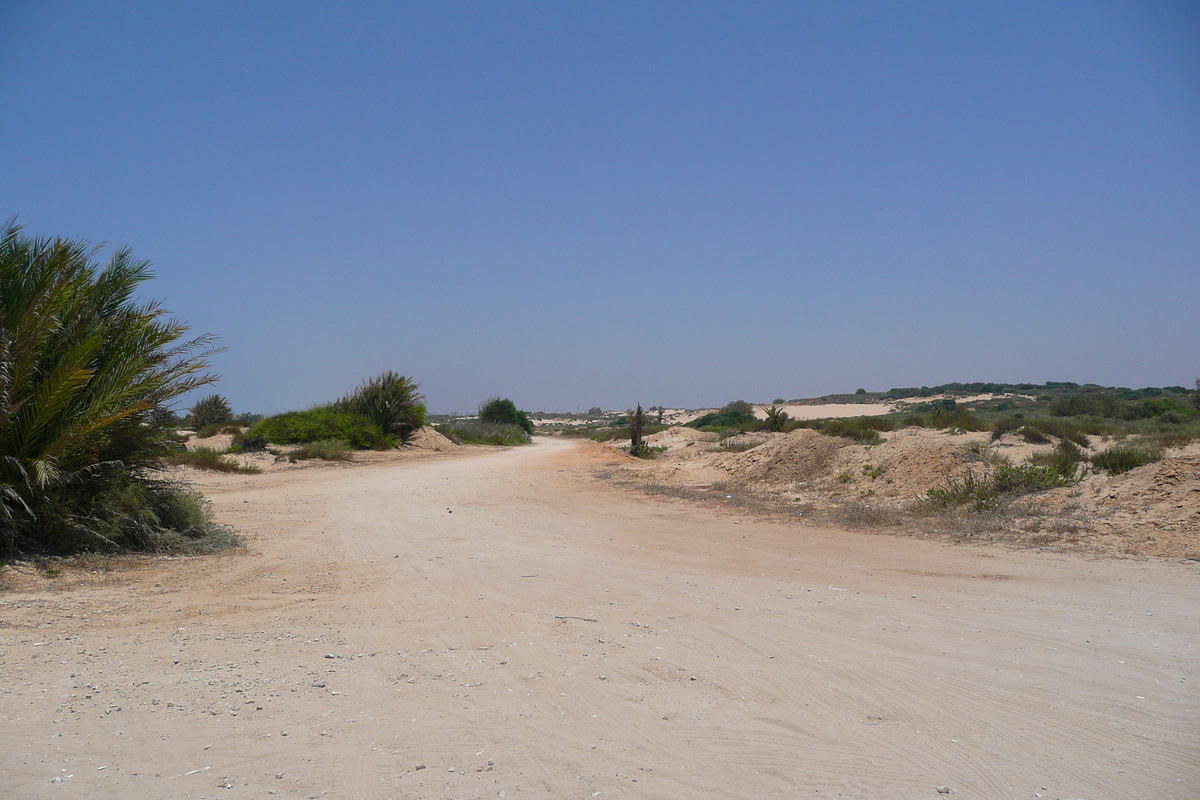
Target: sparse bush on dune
{"type": "Point", "coordinates": [1065, 457]}
{"type": "Point", "coordinates": [88, 378]}
{"type": "Point", "coordinates": [218, 428]}
{"type": "Point", "coordinates": [987, 492]}
{"type": "Point", "coordinates": [1119, 460]}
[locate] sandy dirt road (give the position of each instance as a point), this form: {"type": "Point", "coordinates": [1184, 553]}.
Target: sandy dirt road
{"type": "Point", "coordinates": [498, 624]}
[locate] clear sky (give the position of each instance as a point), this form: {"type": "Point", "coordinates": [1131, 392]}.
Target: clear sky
{"type": "Point", "coordinates": [579, 204]}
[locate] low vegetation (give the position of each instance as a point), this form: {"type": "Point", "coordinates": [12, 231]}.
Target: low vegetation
{"type": "Point", "coordinates": [323, 450]}
{"type": "Point", "coordinates": [210, 459]}
{"type": "Point", "coordinates": [475, 432]}
{"type": "Point", "coordinates": [987, 492]}
{"type": "Point", "coordinates": [324, 423]}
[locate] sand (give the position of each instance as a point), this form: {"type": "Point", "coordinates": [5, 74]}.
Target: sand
{"type": "Point", "coordinates": [501, 624]}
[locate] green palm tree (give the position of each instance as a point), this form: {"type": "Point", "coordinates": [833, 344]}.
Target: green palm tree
{"type": "Point", "coordinates": [83, 366]}
{"type": "Point", "coordinates": [391, 401]}
{"type": "Point", "coordinates": [777, 418]}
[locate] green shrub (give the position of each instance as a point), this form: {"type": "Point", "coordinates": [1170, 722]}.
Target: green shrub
{"type": "Point", "coordinates": [391, 401]}
{"type": "Point", "coordinates": [325, 450]}
{"type": "Point", "coordinates": [323, 422]}
{"type": "Point", "coordinates": [864, 430]}
{"type": "Point", "coordinates": [212, 410]}
{"type": "Point", "coordinates": [88, 376]}
{"type": "Point", "coordinates": [502, 411]}
{"type": "Point", "coordinates": [472, 432]}
{"type": "Point", "coordinates": [209, 459]}
{"type": "Point", "coordinates": [1121, 459]}
{"type": "Point", "coordinates": [731, 415]}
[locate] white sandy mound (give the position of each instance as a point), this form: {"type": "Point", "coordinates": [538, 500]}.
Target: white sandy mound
{"type": "Point", "coordinates": [429, 439]}
{"type": "Point", "coordinates": [801, 455]}
{"type": "Point", "coordinates": [829, 410]}
{"type": "Point", "coordinates": [1165, 495]}
{"type": "Point", "coordinates": [677, 437]}
{"type": "Point", "coordinates": [220, 442]}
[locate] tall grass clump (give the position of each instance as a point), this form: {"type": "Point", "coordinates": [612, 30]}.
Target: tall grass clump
{"type": "Point", "coordinates": [390, 401]}
{"type": "Point", "coordinates": [322, 423]}
{"type": "Point", "coordinates": [1122, 458]}
{"type": "Point", "coordinates": [87, 375]}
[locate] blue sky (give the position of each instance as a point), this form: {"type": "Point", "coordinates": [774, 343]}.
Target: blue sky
{"type": "Point", "coordinates": [578, 204]}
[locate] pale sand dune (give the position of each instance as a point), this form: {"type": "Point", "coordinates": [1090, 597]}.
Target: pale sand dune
{"type": "Point", "coordinates": [485, 623]}
{"type": "Point", "coordinates": [829, 410]}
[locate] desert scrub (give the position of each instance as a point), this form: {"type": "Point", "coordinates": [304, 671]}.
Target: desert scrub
{"type": "Point", "coordinates": [324, 450]}
{"type": "Point", "coordinates": [472, 432]}
{"type": "Point", "coordinates": [322, 423]}
{"type": "Point", "coordinates": [210, 459]}
{"type": "Point", "coordinates": [987, 492]}
{"type": "Point", "coordinates": [1122, 458]}
{"type": "Point", "coordinates": [89, 375]}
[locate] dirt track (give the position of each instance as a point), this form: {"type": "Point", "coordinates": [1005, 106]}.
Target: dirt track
{"type": "Point", "coordinates": [495, 624]}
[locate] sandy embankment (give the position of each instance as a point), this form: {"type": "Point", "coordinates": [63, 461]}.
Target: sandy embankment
{"type": "Point", "coordinates": [496, 624]}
